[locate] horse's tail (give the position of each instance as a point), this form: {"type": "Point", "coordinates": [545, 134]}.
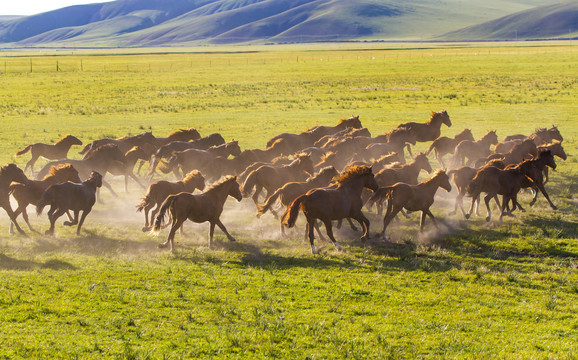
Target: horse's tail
{"type": "Point", "coordinates": [25, 150]}
{"type": "Point", "coordinates": [143, 202]}
{"type": "Point", "coordinates": [290, 216]}
{"type": "Point", "coordinates": [262, 209]}
{"type": "Point", "coordinates": [161, 215]}
{"type": "Point", "coordinates": [46, 199]}
{"type": "Point", "coordinates": [249, 184]}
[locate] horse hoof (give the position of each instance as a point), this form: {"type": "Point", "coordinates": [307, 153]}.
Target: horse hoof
{"type": "Point", "coordinates": [146, 229]}
{"type": "Point", "coordinates": [48, 232]}
{"type": "Point", "coordinates": [467, 216]}
{"type": "Point", "coordinates": [488, 218]}
{"type": "Point", "coordinates": [162, 246]}
{"type": "Point", "coordinates": [554, 208]}
{"type": "Point", "coordinates": [232, 239]}
{"type": "Point", "coordinates": [68, 223]}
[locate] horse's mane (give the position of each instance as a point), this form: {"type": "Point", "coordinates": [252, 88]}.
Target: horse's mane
{"type": "Point", "coordinates": [321, 173]}
{"type": "Point", "coordinates": [133, 150]}
{"type": "Point", "coordinates": [195, 174]}
{"type": "Point", "coordinates": [352, 173]}
{"type": "Point", "coordinates": [104, 149]}
{"type": "Point", "coordinates": [55, 169]}
{"type": "Point", "coordinates": [62, 139]}
{"type": "Point", "coordinates": [225, 180]}
{"type": "Point", "coordinates": [499, 163]}
{"type": "Point", "coordinates": [352, 118]}
{"type": "Point", "coordinates": [127, 137]}
{"type": "Point", "coordinates": [435, 115]}
{"type": "Point", "coordinates": [386, 156]}
{"type": "Point", "coordinates": [435, 175]}
{"type": "Point", "coordinates": [396, 131]}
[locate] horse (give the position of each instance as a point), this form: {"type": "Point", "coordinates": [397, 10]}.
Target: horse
{"type": "Point", "coordinates": [394, 141]}
{"type": "Point", "coordinates": [556, 149]}
{"type": "Point", "coordinates": [380, 163]}
{"type": "Point", "coordinates": [292, 143]}
{"type": "Point", "coordinates": [494, 181]}
{"type": "Point", "coordinates": [279, 161]}
{"type": "Point", "coordinates": [271, 178]}
{"type": "Point", "coordinates": [521, 151]}
{"type": "Point", "coordinates": [167, 150]}
{"type": "Point", "coordinates": [190, 134]}
{"type": "Point", "coordinates": [462, 177]}
{"type": "Point", "coordinates": [431, 129]}
{"type": "Point", "coordinates": [70, 196]}
{"type": "Point", "coordinates": [51, 152]}
{"type": "Point", "coordinates": [325, 140]}
{"type": "Point", "coordinates": [404, 173]}
{"type": "Point", "coordinates": [444, 145]}
{"type": "Point", "coordinates": [319, 131]}
{"type": "Point", "coordinates": [124, 143]}
{"type": "Point", "coordinates": [126, 169]}
{"type": "Point", "coordinates": [533, 169]}
{"type": "Point", "coordinates": [8, 174]}
{"type": "Point", "coordinates": [161, 189]}
{"type": "Point", "coordinates": [473, 150]}
{"type": "Point", "coordinates": [418, 197]}
{"type": "Point", "coordinates": [336, 203]}
{"type": "Point", "coordinates": [540, 137]}
{"type": "Point", "coordinates": [31, 191]}
{"type": "Point", "coordinates": [291, 190]}
{"type": "Point", "coordinates": [100, 159]}
{"type": "Point", "coordinates": [200, 208]}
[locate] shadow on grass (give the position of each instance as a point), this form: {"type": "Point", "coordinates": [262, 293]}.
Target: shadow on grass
{"type": "Point", "coordinates": [9, 263]}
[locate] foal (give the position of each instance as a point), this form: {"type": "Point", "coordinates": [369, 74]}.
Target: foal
{"type": "Point", "coordinates": [51, 152]}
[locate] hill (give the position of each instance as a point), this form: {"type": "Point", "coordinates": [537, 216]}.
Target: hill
{"type": "Point", "coordinates": [194, 22]}
{"type": "Point", "coordinates": [545, 22]}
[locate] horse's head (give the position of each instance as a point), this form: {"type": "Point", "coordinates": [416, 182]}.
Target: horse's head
{"type": "Point", "coordinates": [305, 163]}
{"type": "Point", "coordinates": [194, 180]}
{"type": "Point", "coordinates": [234, 148]}
{"type": "Point", "coordinates": [63, 173]}
{"type": "Point", "coordinates": [13, 173]}
{"type": "Point", "coordinates": [548, 158]}
{"type": "Point", "coordinates": [442, 116]}
{"type": "Point", "coordinates": [234, 189]}
{"type": "Point", "coordinates": [555, 133]}
{"type": "Point", "coordinates": [72, 140]}
{"type": "Point", "coordinates": [491, 137]}
{"type": "Point", "coordinates": [353, 122]}
{"type": "Point", "coordinates": [422, 162]}
{"type": "Point", "coordinates": [96, 178]}
{"type": "Point", "coordinates": [466, 134]}
{"type": "Point", "coordinates": [557, 149]}
{"type": "Point", "coordinates": [370, 182]}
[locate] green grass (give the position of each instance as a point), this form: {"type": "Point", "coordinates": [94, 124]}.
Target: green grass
{"type": "Point", "coordinates": [471, 290]}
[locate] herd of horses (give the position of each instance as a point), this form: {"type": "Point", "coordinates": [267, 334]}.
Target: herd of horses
{"type": "Point", "coordinates": [327, 172]}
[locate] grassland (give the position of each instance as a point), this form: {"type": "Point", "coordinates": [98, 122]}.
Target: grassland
{"type": "Point", "coordinates": [470, 290]}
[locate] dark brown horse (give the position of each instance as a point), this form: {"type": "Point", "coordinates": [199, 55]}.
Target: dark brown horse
{"type": "Point", "coordinates": [444, 145]}
{"type": "Point", "coordinates": [431, 129]}
{"type": "Point", "coordinates": [393, 141]}
{"type": "Point", "coordinates": [51, 152]}
{"type": "Point", "coordinates": [462, 177]}
{"type": "Point", "coordinates": [319, 131]}
{"type": "Point", "coordinates": [404, 173]}
{"type": "Point", "coordinates": [70, 196]}
{"type": "Point", "coordinates": [161, 189]}
{"type": "Point", "coordinates": [521, 151]}
{"type": "Point", "coordinates": [336, 203]}
{"type": "Point", "coordinates": [473, 150]}
{"type": "Point", "coordinates": [8, 174]}
{"type": "Point", "coordinates": [179, 135]}
{"type": "Point", "coordinates": [126, 168]}
{"type": "Point", "coordinates": [418, 197]}
{"type": "Point", "coordinates": [124, 143]}
{"type": "Point", "coordinates": [541, 136]}
{"type": "Point", "coordinates": [271, 178]}
{"type": "Point", "coordinates": [291, 190]}
{"type": "Point", "coordinates": [327, 139]}
{"type": "Point", "coordinates": [31, 192]}
{"type": "Point", "coordinates": [556, 149]}
{"type": "Point", "coordinates": [200, 208]}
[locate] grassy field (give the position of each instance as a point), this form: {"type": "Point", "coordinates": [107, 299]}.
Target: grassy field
{"type": "Point", "coordinates": [470, 290]}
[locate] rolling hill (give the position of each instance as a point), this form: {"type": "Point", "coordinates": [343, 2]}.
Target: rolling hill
{"type": "Point", "coordinates": [125, 23]}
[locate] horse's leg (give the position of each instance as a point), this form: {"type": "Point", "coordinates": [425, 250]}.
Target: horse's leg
{"type": "Point", "coordinates": [321, 237]}
{"type": "Point", "coordinates": [53, 217]}
{"type": "Point", "coordinates": [211, 233]}
{"type": "Point", "coordinates": [329, 230]}
{"type": "Point", "coordinates": [105, 183]}
{"type": "Point", "coordinates": [222, 227]}
{"type": "Point", "coordinates": [474, 197]}
{"type": "Point", "coordinates": [487, 199]}
{"type": "Point", "coordinates": [12, 216]}
{"type": "Point", "coordinates": [364, 222]}
{"type": "Point", "coordinates": [352, 225]}
{"type": "Point", "coordinates": [311, 227]}
{"type": "Point", "coordinates": [84, 214]}
{"type": "Point", "coordinates": [433, 219]}
{"type": "Point", "coordinates": [545, 171]}
{"type": "Point", "coordinates": [146, 211]}
{"type": "Point", "coordinates": [25, 217]}
{"type": "Point", "coordinates": [74, 220]}
{"type": "Point", "coordinates": [176, 223]}
{"type": "Point", "coordinates": [422, 220]}
{"type": "Point", "coordinates": [540, 185]}
{"type": "Point", "coordinates": [456, 204]}
{"type": "Point", "coordinates": [16, 213]}
{"type": "Point", "coordinates": [389, 215]}
{"type": "Point", "coordinates": [255, 197]}
{"type": "Point", "coordinates": [31, 162]}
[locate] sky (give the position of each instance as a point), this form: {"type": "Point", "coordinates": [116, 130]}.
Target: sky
{"type": "Point", "coordinates": [30, 7]}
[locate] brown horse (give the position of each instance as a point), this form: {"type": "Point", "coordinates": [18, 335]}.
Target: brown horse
{"type": "Point", "coordinates": [161, 189]}
{"type": "Point", "coordinates": [444, 145]}
{"type": "Point", "coordinates": [200, 208]}
{"type": "Point", "coordinates": [418, 197]}
{"type": "Point", "coordinates": [336, 203]}
{"type": "Point", "coordinates": [293, 143]}
{"type": "Point", "coordinates": [51, 152]}
{"type": "Point", "coordinates": [462, 177]}
{"type": "Point", "coordinates": [540, 137]}
{"type": "Point", "coordinates": [493, 182]}
{"type": "Point", "coordinates": [404, 173]}
{"type": "Point", "coordinates": [327, 139]}
{"type": "Point", "coordinates": [124, 143]}
{"type": "Point", "coordinates": [179, 135]}
{"type": "Point", "coordinates": [126, 169]}
{"type": "Point", "coordinates": [271, 178]}
{"type": "Point", "coordinates": [556, 149]}
{"type": "Point", "coordinates": [166, 151]}
{"type": "Point", "coordinates": [473, 150]}
{"type": "Point", "coordinates": [519, 152]}
{"type": "Point", "coordinates": [70, 196]}
{"type": "Point", "coordinates": [8, 174]}
{"type": "Point", "coordinates": [431, 129]}
{"type": "Point", "coordinates": [291, 190]}
{"type": "Point", "coordinates": [31, 192]}
{"type": "Point", "coordinates": [393, 141]}
{"type": "Point", "coordinates": [319, 131]}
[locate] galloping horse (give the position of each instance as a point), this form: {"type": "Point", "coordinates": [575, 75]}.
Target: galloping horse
{"type": "Point", "coordinates": [429, 130]}
{"type": "Point", "coordinates": [200, 208]}
{"type": "Point", "coordinates": [8, 174]}
{"type": "Point", "coordinates": [31, 192]}
{"type": "Point", "coordinates": [161, 189]}
{"type": "Point", "coordinates": [179, 135]}
{"type": "Point", "coordinates": [444, 145]}
{"type": "Point", "coordinates": [557, 150]}
{"type": "Point", "coordinates": [412, 197]}
{"type": "Point", "coordinates": [336, 203]}
{"type": "Point", "coordinates": [271, 178]}
{"type": "Point", "coordinates": [124, 143]}
{"type": "Point", "coordinates": [70, 196]}
{"type": "Point", "coordinates": [393, 141]}
{"type": "Point", "coordinates": [473, 150]}
{"type": "Point", "coordinates": [320, 131]}
{"type": "Point", "coordinates": [541, 136]}
{"type": "Point", "coordinates": [51, 152]}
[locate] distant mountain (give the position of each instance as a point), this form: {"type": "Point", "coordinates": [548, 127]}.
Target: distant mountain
{"type": "Point", "coordinates": [544, 22]}
{"type": "Point", "coordinates": [193, 22]}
